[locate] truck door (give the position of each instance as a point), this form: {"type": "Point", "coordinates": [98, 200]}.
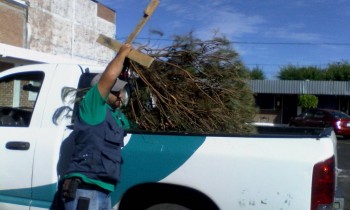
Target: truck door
{"type": "Point", "coordinates": [18, 95]}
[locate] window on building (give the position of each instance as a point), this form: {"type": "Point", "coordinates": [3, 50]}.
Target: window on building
{"type": "Point", "coordinates": [265, 101]}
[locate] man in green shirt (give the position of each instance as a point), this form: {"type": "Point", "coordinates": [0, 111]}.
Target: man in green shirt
{"type": "Point", "coordinates": [94, 169]}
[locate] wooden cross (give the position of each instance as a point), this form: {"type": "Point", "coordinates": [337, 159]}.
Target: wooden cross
{"type": "Point", "coordinates": [143, 59]}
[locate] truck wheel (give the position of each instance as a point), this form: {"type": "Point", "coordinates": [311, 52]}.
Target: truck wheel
{"type": "Point", "coordinates": [160, 196]}
{"type": "Point", "coordinates": [167, 206]}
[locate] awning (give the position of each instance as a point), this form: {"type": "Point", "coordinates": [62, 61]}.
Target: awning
{"type": "Point", "coordinates": [31, 56]}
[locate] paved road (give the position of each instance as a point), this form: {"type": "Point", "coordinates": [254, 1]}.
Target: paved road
{"type": "Point", "coordinates": [344, 165]}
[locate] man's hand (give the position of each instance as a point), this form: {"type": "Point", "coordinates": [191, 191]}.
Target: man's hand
{"type": "Point", "coordinates": [113, 70]}
{"type": "Point", "coordinates": [124, 50]}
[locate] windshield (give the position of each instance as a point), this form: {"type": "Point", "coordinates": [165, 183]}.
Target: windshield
{"type": "Point", "coordinates": [339, 115]}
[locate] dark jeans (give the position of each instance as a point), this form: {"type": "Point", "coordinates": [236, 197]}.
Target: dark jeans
{"type": "Point", "coordinates": [98, 200]}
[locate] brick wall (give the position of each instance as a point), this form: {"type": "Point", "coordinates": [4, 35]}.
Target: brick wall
{"type": "Point", "coordinates": [6, 97]}
{"type": "Point", "coordinates": [105, 13]}
{"type": "Point", "coordinates": [12, 24]}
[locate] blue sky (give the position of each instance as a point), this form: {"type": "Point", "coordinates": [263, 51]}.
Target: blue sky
{"type": "Point", "coordinates": [266, 33]}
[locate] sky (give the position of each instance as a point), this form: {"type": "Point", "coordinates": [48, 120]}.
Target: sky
{"type": "Point", "coordinates": [268, 34]}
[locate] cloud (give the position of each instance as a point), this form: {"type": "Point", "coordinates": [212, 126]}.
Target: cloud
{"type": "Point", "coordinates": [233, 25]}
{"type": "Point", "coordinates": [204, 18]}
{"type": "Point", "coordinates": [179, 10]}
{"type": "Point", "coordinates": [290, 33]}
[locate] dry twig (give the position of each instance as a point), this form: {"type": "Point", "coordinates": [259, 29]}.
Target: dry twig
{"type": "Point", "coordinates": [193, 86]}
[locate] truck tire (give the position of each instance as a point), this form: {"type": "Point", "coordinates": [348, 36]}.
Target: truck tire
{"type": "Point", "coordinates": [167, 206]}
{"type": "Point", "coordinates": [161, 196]}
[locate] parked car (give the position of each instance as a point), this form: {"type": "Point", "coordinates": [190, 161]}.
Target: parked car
{"type": "Point", "coordinates": [324, 118]}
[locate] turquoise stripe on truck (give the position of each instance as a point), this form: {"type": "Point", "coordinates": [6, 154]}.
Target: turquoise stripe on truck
{"type": "Point", "coordinates": [165, 154]}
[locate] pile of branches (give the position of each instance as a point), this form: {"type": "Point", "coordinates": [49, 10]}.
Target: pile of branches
{"type": "Point", "coordinates": [193, 86]}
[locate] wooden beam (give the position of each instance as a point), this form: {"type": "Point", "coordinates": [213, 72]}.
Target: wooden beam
{"type": "Point", "coordinates": [142, 59]}
{"type": "Point", "coordinates": [147, 14]}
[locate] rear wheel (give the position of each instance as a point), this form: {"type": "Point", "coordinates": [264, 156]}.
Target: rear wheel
{"type": "Point", "coordinates": [156, 196]}
{"type": "Point", "coordinates": [167, 206]}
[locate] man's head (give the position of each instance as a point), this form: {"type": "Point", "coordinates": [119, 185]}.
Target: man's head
{"type": "Point", "coordinates": [118, 94]}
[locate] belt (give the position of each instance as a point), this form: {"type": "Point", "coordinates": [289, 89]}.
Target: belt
{"type": "Point", "coordinates": [86, 186]}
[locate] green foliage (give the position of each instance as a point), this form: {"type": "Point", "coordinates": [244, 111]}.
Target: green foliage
{"type": "Point", "coordinates": [257, 74]}
{"type": "Point", "coordinates": [291, 72]}
{"type": "Point", "coordinates": [337, 71]}
{"type": "Point", "coordinates": [308, 101]}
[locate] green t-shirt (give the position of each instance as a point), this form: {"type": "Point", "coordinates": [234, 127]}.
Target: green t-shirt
{"type": "Point", "coordinates": [93, 111]}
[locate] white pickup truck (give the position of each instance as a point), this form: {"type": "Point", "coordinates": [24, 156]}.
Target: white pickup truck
{"type": "Point", "coordinates": [279, 168]}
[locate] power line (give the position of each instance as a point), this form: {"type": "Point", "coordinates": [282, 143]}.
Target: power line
{"type": "Point", "coordinates": [275, 64]}
{"type": "Point", "coordinates": [292, 43]}
{"type": "Point", "coordinates": [264, 43]}
{"type": "Point", "coordinates": [260, 43]}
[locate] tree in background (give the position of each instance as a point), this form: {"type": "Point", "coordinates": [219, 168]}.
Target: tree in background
{"type": "Point", "coordinates": [337, 71]}
{"type": "Point", "coordinates": [193, 86]}
{"type": "Point", "coordinates": [308, 101]}
{"type": "Point", "coordinates": [257, 74]}
{"type": "Point", "coordinates": [292, 72]}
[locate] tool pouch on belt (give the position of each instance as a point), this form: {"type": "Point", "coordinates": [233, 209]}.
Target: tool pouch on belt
{"type": "Point", "coordinates": [70, 187]}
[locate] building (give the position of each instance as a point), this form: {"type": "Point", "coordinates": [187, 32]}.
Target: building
{"type": "Point", "coordinates": [54, 31]}
{"type": "Point", "coordinates": [278, 99]}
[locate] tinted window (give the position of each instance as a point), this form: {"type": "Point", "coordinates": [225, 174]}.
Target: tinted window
{"type": "Point", "coordinates": [18, 95]}
{"type": "Point", "coordinates": [340, 115]}
{"type": "Point", "coordinates": [307, 114]}
{"type": "Point", "coordinates": [319, 115]}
